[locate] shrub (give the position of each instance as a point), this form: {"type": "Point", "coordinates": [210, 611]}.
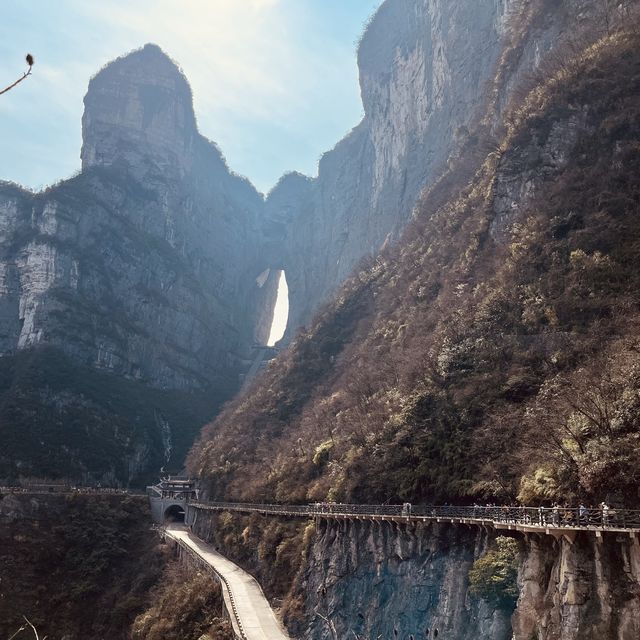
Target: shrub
{"type": "Point", "coordinates": [493, 576]}
{"type": "Point", "coordinates": [322, 452]}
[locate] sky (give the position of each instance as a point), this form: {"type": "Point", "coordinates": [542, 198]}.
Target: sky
{"type": "Point", "coordinates": [280, 311]}
{"type": "Point", "coordinates": [274, 81]}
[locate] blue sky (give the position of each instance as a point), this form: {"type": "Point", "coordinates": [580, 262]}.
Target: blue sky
{"type": "Point", "coordinates": [274, 81]}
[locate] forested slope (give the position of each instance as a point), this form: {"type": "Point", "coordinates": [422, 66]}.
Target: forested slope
{"type": "Point", "coordinates": [493, 351]}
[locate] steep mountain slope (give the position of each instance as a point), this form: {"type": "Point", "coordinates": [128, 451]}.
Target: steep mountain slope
{"type": "Point", "coordinates": [491, 355]}
{"type": "Point", "coordinates": [427, 73]}
{"type": "Point", "coordinates": [435, 361]}
{"type": "Point", "coordinates": [128, 288]}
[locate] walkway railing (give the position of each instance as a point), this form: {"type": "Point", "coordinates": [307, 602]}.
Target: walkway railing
{"type": "Point", "coordinates": [574, 518]}
{"type": "Point", "coordinates": [68, 490]}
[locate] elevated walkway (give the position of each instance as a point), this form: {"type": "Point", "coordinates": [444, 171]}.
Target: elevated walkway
{"type": "Point", "coordinates": [559, 522]}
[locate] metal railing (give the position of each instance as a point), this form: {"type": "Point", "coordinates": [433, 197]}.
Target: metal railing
{"type": "Point", "coordinates": [68, 490]}
{"type": "Point", "coordinates": [547, 517]}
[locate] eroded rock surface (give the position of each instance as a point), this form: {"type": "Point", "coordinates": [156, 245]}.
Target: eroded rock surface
{"type": "Point", "coordinates": [386, 580]}
{"type": "Point", "coordinates": [143, 266]}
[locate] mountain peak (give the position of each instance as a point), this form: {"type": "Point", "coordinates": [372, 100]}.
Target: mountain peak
{"type": "Point", "coordinates": [139, 112]}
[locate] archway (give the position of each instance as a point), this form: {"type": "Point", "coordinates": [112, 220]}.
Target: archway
{"type": "Point", "coordinates": [174, 513]}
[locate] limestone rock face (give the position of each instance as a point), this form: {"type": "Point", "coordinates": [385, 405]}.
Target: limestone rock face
{"type": "Point", "coordinates": [424, 68]}
{"type": "Point", "coordinates": [385, 580]}
{"type": "Point", "coordinates": [430, 70]}
{"type": "Point", "coordinates": [139, 106]}
{"type": "Point", "coordinates": [580, 591]}
{"type": "Point", "coordinates": [144, 265]}
{"type": "Point", "coordinates": [376, 579]}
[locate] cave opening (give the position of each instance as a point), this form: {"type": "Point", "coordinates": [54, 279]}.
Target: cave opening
{"type": "Point", "coordinates": [280, 311]}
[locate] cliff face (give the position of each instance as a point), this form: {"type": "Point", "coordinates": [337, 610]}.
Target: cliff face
{"type": "Point", "coordinates": [385, 580]}
{"type": "Point", "coordinates": [581, 591]}
{"type": "Point", "coordinates": [424, 68]}
{"type": "Point", "coordinates": [143, 266]}
{"type": "Point", "coordinates": [381, 580]}
{"type": "Point", "coordinates": [373, 580]}
{"type": "Point", "coordinates": [152, 244]}
{"type": "Point", "coordinates": [430, 71]}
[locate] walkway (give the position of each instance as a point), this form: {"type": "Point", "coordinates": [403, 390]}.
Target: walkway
{"type": "Point", "coordinates": [559, 522]}
{"type": "Point", "coordinates": [252, 616]}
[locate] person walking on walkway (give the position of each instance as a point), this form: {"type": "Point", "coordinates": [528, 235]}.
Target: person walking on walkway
{"type": "Point", "coordinates": [583, 515]}
{"type": "Point", "coordinates": [604, 507]}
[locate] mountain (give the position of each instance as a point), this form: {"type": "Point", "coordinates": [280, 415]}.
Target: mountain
{"type": "Point", "coordinates": [133, 292]}
{"type": "Point", "coordinates": [489, 355]}
{"type": "Point", "coordinates": [427, 74]}
{"type": "Point", "coordinates": [129, 302]}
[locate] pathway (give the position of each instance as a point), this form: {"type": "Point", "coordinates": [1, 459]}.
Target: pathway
{"type": "Point", "coordinates": [245, 601]}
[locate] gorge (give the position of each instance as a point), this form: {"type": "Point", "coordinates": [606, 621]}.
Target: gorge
{"type": "Point", "coordinates": [463, 312]}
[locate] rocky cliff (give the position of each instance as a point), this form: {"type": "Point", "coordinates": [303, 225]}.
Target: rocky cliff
{"type": "Point", "coordinates": [490, 355]}
{"type": "Point", "coordinates": [397, 581]}
{"type": "Point", "coordinates": [424, 69]}
{"type": "Point", "coordinates": [430, 70]}
{"type": "Point", "coordinates": [143, 267]}
{"type": "Point", "coordinates": [387, 580]}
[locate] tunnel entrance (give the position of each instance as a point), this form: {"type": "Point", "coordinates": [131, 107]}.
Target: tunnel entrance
{"type": "Point", "coordinates": [280, 311]}
{"type": "Point", "coordinates": [175, 513]}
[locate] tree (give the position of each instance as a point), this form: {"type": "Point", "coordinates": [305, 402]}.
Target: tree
{"type": "Point", "coordinates": [29, 59]}
{"type": "Point", "coordinates": [494, 576]}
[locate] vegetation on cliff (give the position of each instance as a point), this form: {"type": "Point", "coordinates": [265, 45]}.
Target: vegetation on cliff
{"type": "Point", "coordinates": [77, 566]}
{"type": "Point", "coordinates": [495, 344]}
{"type": "Point", "coordinates": [494, 576]}
{"type": "Point", "coordinates": [185, 605]}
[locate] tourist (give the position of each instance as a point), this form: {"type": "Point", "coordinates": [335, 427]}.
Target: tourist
{"type": "Point", "coordinates": [583, 515]}
{"type": "Point", "coordinates": [604, 507]}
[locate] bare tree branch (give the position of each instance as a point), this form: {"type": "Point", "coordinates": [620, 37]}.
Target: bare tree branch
{"type": "Point", "coordinates": [30, 61]}
{"type": "Point", "coordinates": [35, 631]}
{"type": "Point", "coordinates": [20, 630]}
